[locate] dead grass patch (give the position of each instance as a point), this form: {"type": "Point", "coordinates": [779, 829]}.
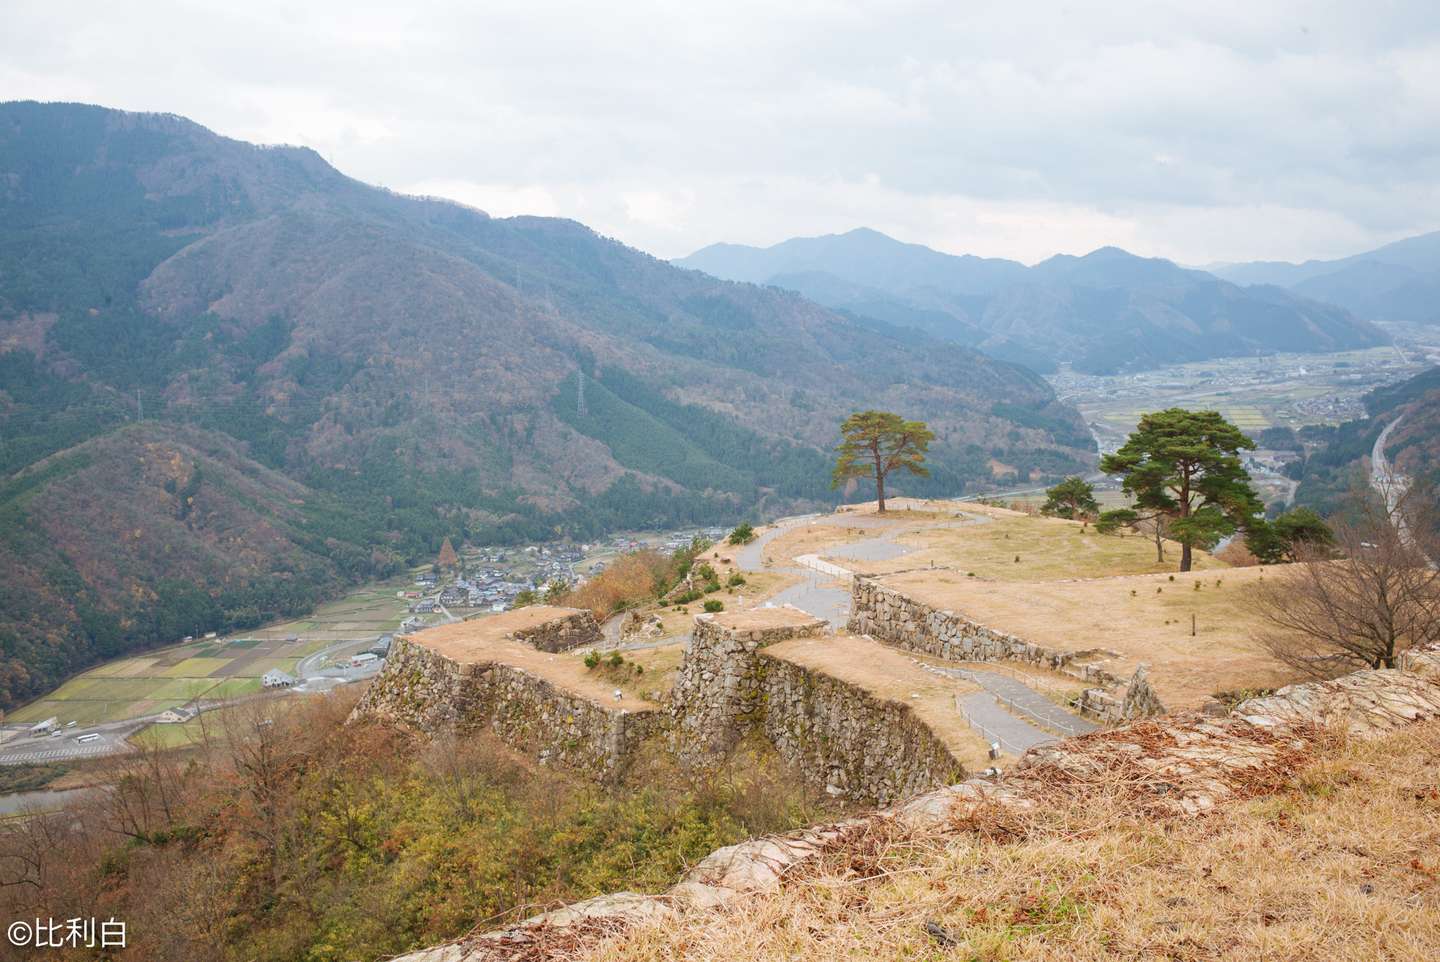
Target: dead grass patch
{"type": "Point", "coordinates": [1333, 859]}
{"type": "Point", "coordinates": [1145, 618]}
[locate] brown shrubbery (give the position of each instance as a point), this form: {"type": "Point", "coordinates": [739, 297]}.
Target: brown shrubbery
{"type": "Point", "coordinates": [289, 835]}
{"type": "Point", "coordinates": [1328, 617]}
{"type": "Point", "coordinates": [629, 580]}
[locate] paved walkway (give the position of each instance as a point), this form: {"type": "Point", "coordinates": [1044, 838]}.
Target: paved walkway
{"type": "Point", "coordinates": [1028, 703]}
{"type": "Point", "coordinates": [1009, 712]}
{"type": "Point", "coordinates": [995, 724]}
{"type": "Point", "coordinates": [813, 594]}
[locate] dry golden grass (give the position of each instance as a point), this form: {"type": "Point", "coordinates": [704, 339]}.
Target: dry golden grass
{"type": "Point", "coordinates": [1341, 864]}
{"type": "Point", "coordinates": [483, 640]}
{"type": "Point", "coordinates": [1144, 618]}
{"type": "Point", "coordinates": [815, 539]}
{"type": "Point", "coordinates": [1048, 549]}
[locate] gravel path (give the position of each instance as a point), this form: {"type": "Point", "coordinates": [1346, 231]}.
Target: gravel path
{"type": "Point", "coordinates": [813, 596]}
{"type": "Point", "coordinates": [995, 724]}
{"type": "Point", "coordinates": [1031, 704]}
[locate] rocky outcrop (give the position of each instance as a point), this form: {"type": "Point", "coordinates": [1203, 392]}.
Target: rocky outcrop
{"type": "Point", "coordinates": [424, 691]}
{"type": "Point", "coordinates": [897, 619]}
{"type": "Point", "coordinates": [1176, 766]}
{"type": "Point", "coordinates": [1364, 703]}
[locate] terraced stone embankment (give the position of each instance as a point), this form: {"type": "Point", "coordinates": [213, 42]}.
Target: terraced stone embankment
{"type": "Point", "coordinates": [895, 618]}
{"type": "Point", "coordinates": [1178, 766]}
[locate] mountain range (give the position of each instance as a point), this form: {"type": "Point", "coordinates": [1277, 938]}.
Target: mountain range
{"type": "Point", "coordinates": [232, 378]}
{"type": "Point", "coordinates": [1397, 282]}
{"type": "Point", "coordinates": [1105, 312]}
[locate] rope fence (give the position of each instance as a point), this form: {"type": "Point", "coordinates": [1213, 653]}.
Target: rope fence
{"type": "Point", "coordinates": [991, 736]}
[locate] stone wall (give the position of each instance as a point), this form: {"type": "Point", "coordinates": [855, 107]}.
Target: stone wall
{"type": "Point", "coordinates": [573, 630]}
{"type": "Point", "coordinates": [1207, 763]}
{"type": "Point", "coordinates": [425, 692]}
{"type": "Point", "coordinates": [836, 734]}
{"type": "Point", "coordinates": [846, 740]}
{"type": "Point", "coordinates": [897, 619]}
{"type": "Point", "coordinates": [717, 689]}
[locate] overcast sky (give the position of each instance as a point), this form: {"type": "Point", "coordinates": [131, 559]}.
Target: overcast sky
{"type": "Point", "coordinates": [1197, 131]}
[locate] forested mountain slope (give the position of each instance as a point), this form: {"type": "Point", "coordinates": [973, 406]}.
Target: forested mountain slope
{"type": "Point", "coordinates": [390, 370]}
{"type": "Point", "coordinates": [1397, 282]}
{"type": "Point", "coordinates": [1107, 311]}
{"type": "Point", "coordinates": [1341, 462]}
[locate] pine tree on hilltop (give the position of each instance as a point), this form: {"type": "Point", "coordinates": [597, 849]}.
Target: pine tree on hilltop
{"type": "Point", "coordinates": [874, 443]}
{"type": "Point", "coordinates": [448, 558]}
{"type": "Point", "coordinates": [1184, 466]}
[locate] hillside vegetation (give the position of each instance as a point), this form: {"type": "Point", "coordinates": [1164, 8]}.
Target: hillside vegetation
{"type": "Point", "coordinates": [1340, 462]}
{"type": "Point", "coordinates": [288, 836]}
{"type": "Point", "coordinates": [388, 371]}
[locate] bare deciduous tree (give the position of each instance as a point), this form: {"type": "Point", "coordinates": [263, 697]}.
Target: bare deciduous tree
{"type": "Point", "coordinates": [1380, 598]}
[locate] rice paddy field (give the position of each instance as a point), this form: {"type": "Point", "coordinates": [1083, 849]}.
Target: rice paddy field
{"type": "Point", "coordinates": [215, 669]}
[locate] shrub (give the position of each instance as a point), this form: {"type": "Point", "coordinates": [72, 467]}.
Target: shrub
{"type": "Point", "coordinates": [713, 605]}
{"type": "Point", "coordinates": [711, 587]}
{"type": "Point", "coordinates": [626, 582]}
{"type": "Point", "coordinates": [743, 534]}
{"type": "Point", "coordinates": [592, 659]}
{"type": "Point", "coordinates": [736, 580]}
{"type": "Point", "coordinates": [706, 573]}
{"type": "Point", "coordinates": [616, 660]}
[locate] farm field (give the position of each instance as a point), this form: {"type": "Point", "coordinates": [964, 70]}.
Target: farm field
{"type": "Point", "coordinates": [215, 668]}
{"type": "Point", "coordinates": [1253, 392]}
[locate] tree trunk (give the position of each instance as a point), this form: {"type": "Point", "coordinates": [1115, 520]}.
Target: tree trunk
{"type": "Point", "coordinates": [880, 490]}
{"type": "Point", "coordinates": [1184, 556]}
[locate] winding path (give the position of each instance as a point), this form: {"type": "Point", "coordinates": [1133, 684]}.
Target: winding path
{"type": "Point", "coordinates": [1004, 711]}
{"type": "Point", "coordinates": [1383, 478]}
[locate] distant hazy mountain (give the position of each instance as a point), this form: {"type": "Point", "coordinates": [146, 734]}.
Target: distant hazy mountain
{"type": "Point", "coordinates": [1397, 282]}
{"type": "Point", "coordinates": [1104, 312]}
{"type": "Point", "coordinates": [333, 378]}
{"type": "Point", "coordinates": [862, 256]}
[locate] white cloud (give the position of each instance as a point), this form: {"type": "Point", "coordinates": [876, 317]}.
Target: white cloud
{"type": "Point", "coordinates": [497, 200]}
{"type": "Point", "coordinates": [1202, 132]}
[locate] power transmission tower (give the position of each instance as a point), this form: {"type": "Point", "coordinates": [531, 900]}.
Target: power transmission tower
{"type": "Point", "coordinates": [580, 393]}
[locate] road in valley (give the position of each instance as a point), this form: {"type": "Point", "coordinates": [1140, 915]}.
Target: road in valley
{"type": "Point", "coordinates": [1383, 478]}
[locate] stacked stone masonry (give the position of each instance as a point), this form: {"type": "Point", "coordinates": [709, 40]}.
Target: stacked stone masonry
{"type": "Point", "coordinates": [837, 735]}
{"type": "Point", "coordinates": [574, 630]}
{"type": "Point", "coordinates": [897, 619]}
{"type": "Point", "coordinates": [1206, 762]}
{"type": "Point", "coordinates": [426, 692]}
